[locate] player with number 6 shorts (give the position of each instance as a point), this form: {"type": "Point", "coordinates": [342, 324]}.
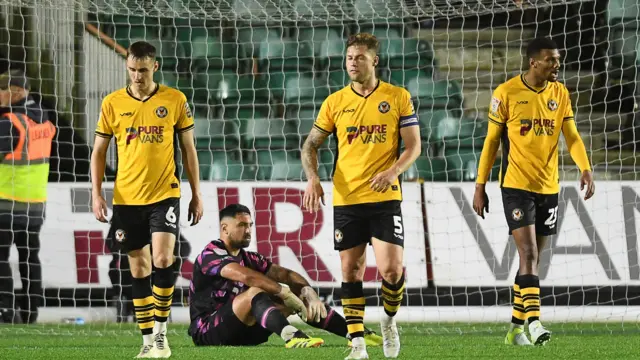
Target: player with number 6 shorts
{"type": "Point", "coordinates": [145, 118]}
{"type": "Point", "coordinates": [527, 114]}
{"type": "Point", "coordinates": [370, 120]}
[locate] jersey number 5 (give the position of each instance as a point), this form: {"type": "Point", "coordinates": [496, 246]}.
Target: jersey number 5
{"type": "Point", "coordinates": [397, 224]}
{"type": "Point", "coordinates": [553, 217]}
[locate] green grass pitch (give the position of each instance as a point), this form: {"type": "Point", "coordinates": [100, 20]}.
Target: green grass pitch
{"type": "Point", "coordinates": [419, 341]}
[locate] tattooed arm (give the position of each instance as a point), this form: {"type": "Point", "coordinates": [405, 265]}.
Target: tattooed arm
{"type": "Point", "coordinates": [310, 152]}
{"type": "Point", "coordinates": [313, 195]}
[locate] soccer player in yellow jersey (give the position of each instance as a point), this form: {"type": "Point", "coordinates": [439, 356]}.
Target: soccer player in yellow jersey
{"type": "Point", "coordinates": [369, 119]}
{"type": "Point", "coordinates": [527, 113]}
{"type": "Point", "coordinates": [144, 118]}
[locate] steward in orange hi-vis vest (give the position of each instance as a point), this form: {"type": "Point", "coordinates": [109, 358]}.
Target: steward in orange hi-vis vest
{"type": "Point", "coordinates": [26, 136]}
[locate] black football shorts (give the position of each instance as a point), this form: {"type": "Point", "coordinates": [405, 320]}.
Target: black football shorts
{"type": "Point", "coordinates": [132, 225]}
{"type": "Point", "coordinates": [524, 208]}
{"type": "Point", "coordinates": [223, 328]}
{"type": "Point", "coordinates": [357, 224]}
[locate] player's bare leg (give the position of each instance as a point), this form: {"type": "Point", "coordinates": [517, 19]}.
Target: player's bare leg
{"type": "Point", "coordinates": [164, 278]}
{"type": "Point", "coordinates": [353, 266]}
{"type": "Point", "coordinates": [389, 262]}
{"type": "Point", "coordinates": [140, 263]}
{"type": "Point", "coordinates": [254, 304]}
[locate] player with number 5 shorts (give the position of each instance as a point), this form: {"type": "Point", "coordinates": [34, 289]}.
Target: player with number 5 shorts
{"type": "Point", "coordinates": [145, 118]}
{"type": "Point", "coordinates": [370, 120]}
{"type": "Point", "coordinates": [527, 114]}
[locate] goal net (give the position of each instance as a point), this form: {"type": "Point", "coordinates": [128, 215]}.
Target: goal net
{"type": "Point", "coordinates": [255, 74]}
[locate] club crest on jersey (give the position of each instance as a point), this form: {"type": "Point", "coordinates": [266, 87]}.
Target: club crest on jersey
{"type": "Point", "coordinates": [338, 235]}
{"type": "Point", "coordinates": [161, 112]}
{"type": "Point", "coordinates": [384, 107]}
{"type": "Point", "coordinates": [552, 105]}
{"type": "Point", "coordinates": [119, 235]}
{"type": "Point", "coordinates": [517, 214]}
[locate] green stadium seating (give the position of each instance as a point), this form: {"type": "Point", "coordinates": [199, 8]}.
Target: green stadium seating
{"type": "Point", "coordinates": [461, 133]}
{"type": "Point", "coordinates": [304, 90]}
{"type": "Point", "coordinates": [427, 169]}
{"type": "Point", "coordinates": [264, 133]}
{"type": "Point", "coordinates": [221, 134]}
{"type": "Point", "coordinates": [462, 165]}
{"type": "Point", "coordinates": [168, 78]}
{"type": "Point", "coordinates": [303, 118]}
{"type": "Point", "coordinates": [251, 38]}
{"type": "Point", "coordinates": [210, 52]}
{"type": "Point", "coordinates": [337, 79]}
{"type": "Point", "coordinates": [332, 54]}
{"type": "Point", "coordinates": [391, 29]}
{"type": "Point", "coordinates": [223, 166]}
{"type": "Point", "coordinates": [406, 54]}
{"type": "Point", "coordinates": [325, 160]}
{"type": "Point", "coordinates": [286, 55]}
{"type": "Point", "coordinates": [429, 123]}
{"type": "Point", "coordinates": [439, 93]}
{"type": "Point", "coordinates": [316, 35]}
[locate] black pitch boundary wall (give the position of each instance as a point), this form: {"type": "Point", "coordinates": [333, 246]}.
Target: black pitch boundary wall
{"type": "Point", "coordinates": [439, 296]}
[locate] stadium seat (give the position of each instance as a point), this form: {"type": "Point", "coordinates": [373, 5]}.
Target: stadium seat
{"type": "Point", "coordinates": [228, 88]}
{"type": "Point", "coordinates": [263, 133]}
{"type": "Point", "coordinates": [286, 55]}
{"type": "Point", "coordinates": [380, 9]}
{"type": "Point", "coordinates": [462, 165]}
{"type": "Point", "coordinates": [210, 52]}
{"type": "Point", "coordinates": [439, 93]}
{"type": "Point", "coordinates": [305, 90]}
{"type": "Point", "coordinates": [337, 79]}
{"type": "Point", "coordinates": [317, 35]}
{"type": "Point", "coordinates": [251, 38]}
{"type": "Point", "coordinates": [401, 77]}
{"type": "Point", "coordinates": [332, 54]}
{"type": "Point", "coordinates": [168, 78]}
{"type": "Point", "coordinates": [223, 166]}
{"type": "Point", "coordinates": [220, 134]}
{"type": "Point", "coordinates": [303, 118]}
{"type": "Point", "coordinates": [326, 159]}
{"type": "Point", "coordinates": [390, 29]}
{"type": "Point", "coordinates": [461, 133]}
{"type": "Point", "coordinates": [406, 54]}
{"type": "Point", "coordinates": [429, 123]}
{"type": "Point", "coordinates": [127, 28]}
{"type": "Point", "coordinates": [284, 166]}
{"type": "Point", "coordinates": [275, 81]}
{"type": "Point", "coordinates": [427, 169]}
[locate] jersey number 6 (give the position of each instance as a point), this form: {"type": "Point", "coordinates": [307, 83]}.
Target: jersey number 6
{"type": "Point", "coordinates": [171, 216]}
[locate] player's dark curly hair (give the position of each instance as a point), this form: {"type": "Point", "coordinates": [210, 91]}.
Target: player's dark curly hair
{"type": "Point", "coordinates": [141, 50]}
{"type": "Point", "coordinates": [364, 39]}
{"type": "Point", "coordinates": [233, 210]}
{"type": "Point", "coordinates": [538, 44]}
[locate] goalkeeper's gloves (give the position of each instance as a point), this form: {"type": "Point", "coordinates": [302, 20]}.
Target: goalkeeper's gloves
{"type": "Point", "coordinates": [293, 302]}
{"type": "Point", "coordinates": [317, 310]}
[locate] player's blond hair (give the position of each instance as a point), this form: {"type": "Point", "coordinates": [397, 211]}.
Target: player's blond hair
{"type": "Point", "coordinates": [364, 39]}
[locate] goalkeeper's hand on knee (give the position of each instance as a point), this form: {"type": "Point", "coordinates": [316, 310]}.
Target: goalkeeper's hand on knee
{"type": "Point", "coordinates": [316, 309]}
{"type": "Point", "coordinates": [293, 302]}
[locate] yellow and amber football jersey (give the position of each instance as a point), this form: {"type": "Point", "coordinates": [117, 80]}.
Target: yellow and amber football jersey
{"type": "Point", "coordinates": [144, 132]}
{"type": "Point", "coordinates": [532, 120]}
{"type": "Point", "coordinates": [367, 129]}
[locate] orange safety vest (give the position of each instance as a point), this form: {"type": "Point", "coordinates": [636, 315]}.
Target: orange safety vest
{"type": "Point", "coordinates": [24, 173]}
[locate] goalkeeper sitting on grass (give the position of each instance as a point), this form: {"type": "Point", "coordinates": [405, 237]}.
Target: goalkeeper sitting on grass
{"type": "Point", "coordinates": [235, 296]}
